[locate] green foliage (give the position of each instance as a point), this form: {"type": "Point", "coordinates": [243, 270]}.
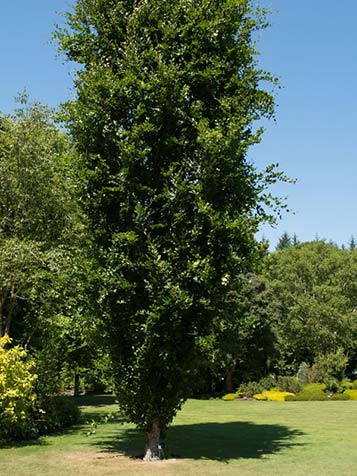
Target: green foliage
{"type": "Point", "coordinates": [35, 191]}
{"type": "Point", "coordinates": [284, 241]}
{"type": "Point", "coordinates": [354, 385]}
{"type": "Point", "coordinates": [315, 287]}
{"type": "Point", "coordinates": [242, 336]}
{"type": "Point", "coordinates": [340, 396]}
{"type": "Point", "coordinates": [309, 374]}
{"type": "Point", "coordinates": [332, 368]}
{"type": "Point", "coordinates": [352, 243]}
{"type": "Point", "coordinates": [313, 387]}
{"type": "Point", "coordinates": [320, 392]}
{"type": "Point", "coordinates": [289, 384]}
{"type": "Point", "coordinates": [268, 382]}
{"type": "Point", "coordinates": [310, 392]}
{"type": "Point", "coordinates": [44, 269]}
{"type": "Point", "coordinates": [40, 223]}
{"type": "Point", "coordinates": [249, 389]}
{"type": "Point", "coordinates": [57, 414]}
{"type": "Point", "coordinates": [302, 373]}
{"type": "Point", "coordinates": [17, 396]}
{"type": "Point", "coordinates": [318, 395]}
{"type": "Point", "coordinates": [24, 413]}
{"type": "Point", "coordinates": [167, 98]}
{"type": "Point", "coordinates": [97, 376]}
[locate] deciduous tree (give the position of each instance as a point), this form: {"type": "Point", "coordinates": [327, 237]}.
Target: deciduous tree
{"type": "Point", "coordinates": [167, 96]}
{"type": "Point", "coordinates": [315, 286]}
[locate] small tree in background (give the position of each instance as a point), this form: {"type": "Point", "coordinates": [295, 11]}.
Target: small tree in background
{"type": "Point", "coordinates": [284, 241]}
{"type": "Point", "coordinates": [332, 369]}
{"type": "Point", "coordinates": [242, 339]}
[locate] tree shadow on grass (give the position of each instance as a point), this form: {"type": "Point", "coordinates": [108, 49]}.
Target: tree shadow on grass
{"type": "Point", "coordinates": [22, 443]}
{"type": "Point", "coordinates": [211, 441]}
{"type": "Point", "coordinates": [95, 400]}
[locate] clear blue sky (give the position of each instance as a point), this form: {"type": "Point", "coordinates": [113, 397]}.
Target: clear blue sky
{"type": "Point", "coordinates": [311, 46]}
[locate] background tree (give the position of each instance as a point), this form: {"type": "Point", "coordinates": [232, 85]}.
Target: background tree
{"type": "Point", "coordinates": [35, 205]}
{"type": "Point", "coordinates": [243, 341]}
{"type": "Point", "coordinates": [315, 286]}
{"type": "Point", "coordinates": [352, 243]}
{"type": "Point", "coordinates": [284, 241]}
{"type": "Point", "coordinates": [166, 99]}
{"type": "Point", "coordinates": [43, 263]}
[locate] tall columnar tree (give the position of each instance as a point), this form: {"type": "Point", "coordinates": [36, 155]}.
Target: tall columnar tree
{"type": "Point", "coordinates": [166, 100]}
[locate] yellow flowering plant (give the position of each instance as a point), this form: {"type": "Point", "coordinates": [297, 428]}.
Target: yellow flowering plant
{"type": "Point", "coordinates": [17, 396]}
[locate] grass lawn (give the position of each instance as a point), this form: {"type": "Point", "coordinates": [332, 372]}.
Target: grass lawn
{"type": "Point", "coordinates": [212, 438]}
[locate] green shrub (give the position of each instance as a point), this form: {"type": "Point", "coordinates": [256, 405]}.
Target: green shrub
{"type": "Point", "coordinates": [319, 392]}
{"type": "Point", "coordinates": [313, 387]}
{"type": "Point", "coordinates": [249, 389]}
{"type": "Point", "coordinates": [56, 414]}
{"type": "Point", "coordinates": [268, 382]}
{"type": "Point", "coordinates": [302, 373]}
{"type": "Point", "coordinates": [307, 374]}
{"type": "Point", "coordinates": [23, 413]}
{"type": "Point", "coordinates": [354, 385]}
{"type": "Point", "coordinates": [289, 384]}
{"type": "Point", "coordinates": [17, 396]}
{"type": "Point", "coordinates": [347, 385]}
{"type": "Point", "coordinates": [332, 367]}
{"type": "Point", "coordinates": [340, 396]}
{"type": "Point", "coordinates": [303, 396]}
{"type": "Point", "coordinates": [352, 394]}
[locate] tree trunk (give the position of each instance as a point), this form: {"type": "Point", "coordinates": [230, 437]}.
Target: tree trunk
{"type": "Point", "coordinates": [229, 379]}
{"type": "Point", "coordinates": [3, 297]}
{"type": "Point", "coordinates": [8, 320]}
{"type": "Point", "coordinates": [153, 449]}
{"type": "Point", "coordinates": [76, 385]}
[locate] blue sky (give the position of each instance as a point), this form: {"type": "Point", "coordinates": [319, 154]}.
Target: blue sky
{"type": "Point", "coordinates": [311, 46]}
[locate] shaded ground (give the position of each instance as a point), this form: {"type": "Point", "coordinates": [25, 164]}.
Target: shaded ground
{"type": "Point", "coordinates": [210, 441]}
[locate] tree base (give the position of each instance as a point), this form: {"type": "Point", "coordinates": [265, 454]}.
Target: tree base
{"type": "Point", "coordinates": [153, 447]}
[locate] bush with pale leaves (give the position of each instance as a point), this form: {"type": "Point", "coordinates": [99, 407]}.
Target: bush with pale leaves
{"type": "Point", "coordinates": [17, 396]}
